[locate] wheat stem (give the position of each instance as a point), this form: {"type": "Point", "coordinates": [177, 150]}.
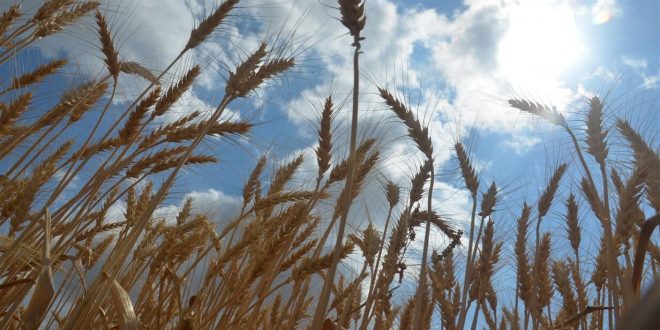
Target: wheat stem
{"type": "Point", "coordinates": [322, 304]}
{"type": "Point", "coordinates": [468, 266]}
{"type": "Point", "coordinates": [422, 286]}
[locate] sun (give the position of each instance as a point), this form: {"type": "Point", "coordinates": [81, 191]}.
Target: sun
{"type": "Point", "coordinates": [542, 42]}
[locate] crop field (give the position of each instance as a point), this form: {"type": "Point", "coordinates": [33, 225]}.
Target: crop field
{"type": "Point", "coordinates": [252, 178]}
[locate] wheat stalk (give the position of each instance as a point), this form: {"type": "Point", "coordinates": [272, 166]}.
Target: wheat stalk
{"type": "Point", "coordinates": [353, 18]}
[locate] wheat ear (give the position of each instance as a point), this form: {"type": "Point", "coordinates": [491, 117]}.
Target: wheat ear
{"type": "Point", "coordinates": [323, 151]}
{"type": "Point", "coordinates": [645, 157]}
{"type": "Point", "coordinates": [419, 134]}
{"type": "Point", "coordinates": [36, 75]}
{"type": "Point", "coordinates": [8, 18]}
{"type": "Point", "coordinates": [107, 46]}
{"type": "Point", "coordinates": [523, 279]}
{"type": "Point", "coordinates": [210, 23]}
{"type": "Point", "coordinates": [472, 183]}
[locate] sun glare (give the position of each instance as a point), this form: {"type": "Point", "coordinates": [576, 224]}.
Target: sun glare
{"type": "Point", "coordinates": [542, 43]}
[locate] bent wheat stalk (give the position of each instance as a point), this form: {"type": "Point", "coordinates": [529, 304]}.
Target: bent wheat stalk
{"type": "Point", "coordinates": [644, 237]}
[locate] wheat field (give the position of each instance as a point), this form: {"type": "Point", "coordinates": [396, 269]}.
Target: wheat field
{"type": "Point", "coordinates": [68, 155]}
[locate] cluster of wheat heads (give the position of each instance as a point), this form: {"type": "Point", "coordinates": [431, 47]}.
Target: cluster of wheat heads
{"type": "Point", "coordinates": [625, 214]}
{"type": "Point", "coordinates": [64, 263]}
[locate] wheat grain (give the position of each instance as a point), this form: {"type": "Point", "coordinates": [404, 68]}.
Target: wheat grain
{"type": "Point", "coordinates": [560, 274]}
{"type": "Point", "coordinates": [9, 114]}
{"type": "Point", "coordinates": [418, 181]}
{"type": "Point", "coordinates": [416, 131]}
{"type": "Point", "coordinates": [572, 224]}
{"type": "Point", "coordinates": [63, 18]}
{"type": "Point", "coordinates": [541, 276]}
{"type": "Point", "coordinates": [362, 170]}
{"type": "Point", "coordinates": [107, 46]}
{"type": "Point", "coordinates": [469, 175]}
{"type": "Point", "coordinates": [251, 184]}
{"type": "Point", "coordinates": [523, 278]}
{"type": "Point", "coordinates": [139, 70]}
{"type": "Point", "coordinates": [368, 242]}
{"type": "Point", "coordinates": [37, 74]}
{"type": "Point", "coordinates": [323, 151]}
{"type": "Point", "coordinates": [284, 174]}
{"type": "Point", "coordinates": [168, 164]}
{"type": "Point", "coordinates": [83, 99]}
{"type": "Point", "coordinates": [312, 266]}
{"type": "Point", "coordinates": [549, 192]}
{"type": "Point", "coordinates": [144, 163]}
{"type": "Point", "coordinates": [8, 17]}
{"type": "Point", "coordinates": [541, 110]}
{"type": "Point", "coordinates": [628, 213]}
{"type": "Point", "coordinates": [596, 135]}
{"type": "Point", "coordinates": [340, 171]}
{"type": "Point", "coordinates": [175, 92]}
{"type": "Point", "coordinates": [224, 128]}
{"type": "Point", "coordinates": [645, 157]}
{"type": "Point", "coordinates": [210, 23]}
{"type": "Point", "coordinates": [49, 8]}
{"type": "Point", "coordinates": [580, 286]}
{"type": "Point", "coordinates": [488, 201]}
{"type": "Point", "coordinates": [132, 124]}
{"type": "Point", "coordinates": [352, 16]}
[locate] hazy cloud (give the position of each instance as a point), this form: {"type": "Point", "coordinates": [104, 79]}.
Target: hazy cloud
{"type": "Point", "coordinates": [604, 10]}
{"type": "Point", "coordinates": [640, 67]}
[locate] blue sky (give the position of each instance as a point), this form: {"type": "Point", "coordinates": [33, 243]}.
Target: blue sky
{"type": "Point", "coordinates": [455, 62]}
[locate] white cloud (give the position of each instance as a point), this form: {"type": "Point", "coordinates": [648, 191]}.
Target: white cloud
{"type": "Point", "coordinates": [603, 73]}
{"type": "Point", "coordinates": [651, 82]}
{"type": "Point", "coordinates": [520, 144]}
{"type": "Point", "coordinates": [604, 10]}
{"type": "Point", "coordinates": [492, 54]}
{"type": "Point", "coordinates": [640, 67]}
{"type": "Point", "coordinates": [218, 206]}
{"type": "Point", "coordinates": [635, 63]}
{"type": "Point", "coordinates": [216, 203]}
